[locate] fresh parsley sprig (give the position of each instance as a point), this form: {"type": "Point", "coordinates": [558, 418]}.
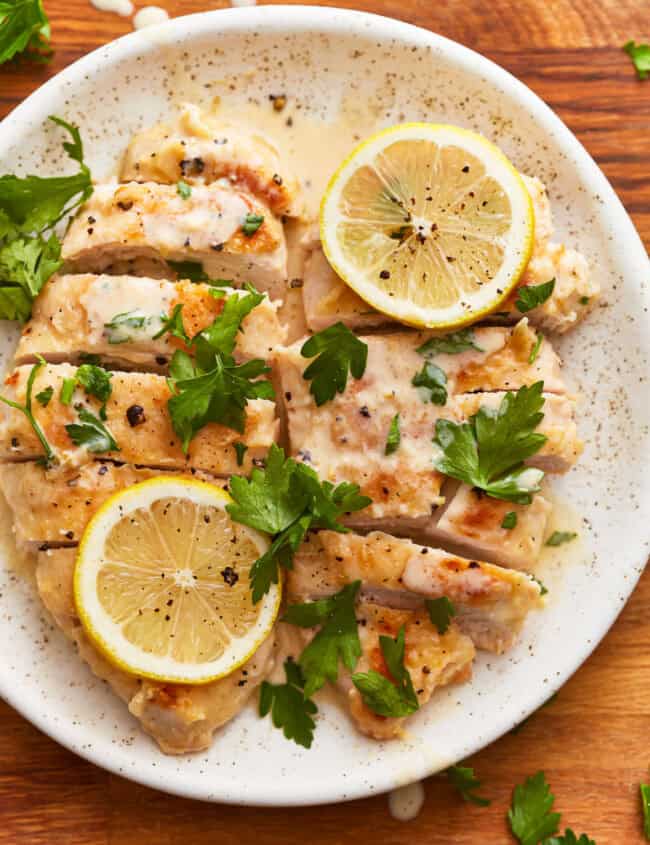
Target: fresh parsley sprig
{"type": "Point", "coordinates": [569, 838]}
{"type": "Point", "coordinates": [173, 324]}
{"type": "Point", "coordinates": [24, 30]}
{"type": "Point", "coordinates": [489, 451]}
{"type": "Point", "coordinates": [290, 709]}
{"type": "Point", "coordinates": [30, 208]}
{"type": "Point", "coordinates": [532, 296]}
{"type": "Point", "coordinates": [463, 778]}
{"type": "Point", "coordinates": [336, 352]}
{"type": "Point", "coordinates": [91, 433]}
{"type": "Point", "coordinates": [338, 637]}
{"type": "Point", "coordinates": [43, 397]}
{"type": "Point", "coordinates": [286, 499]}
{"type": "Point", "coordinates": [530, 816]}
{"type": "Point", "coordinates": [392, 697]}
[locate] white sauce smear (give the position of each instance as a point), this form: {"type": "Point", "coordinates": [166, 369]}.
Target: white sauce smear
{"type": "Point", "coordinates": [119, 7]}
{"type": "Point", "coordinates": [406, 802]}
{"type": "Point", "coordinates": [238, 4]}
{"type": "Point", "coordinates": [149, 16]}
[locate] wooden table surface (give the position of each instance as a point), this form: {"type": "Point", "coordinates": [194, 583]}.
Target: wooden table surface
{"type": "Point", "coordinates": [593, 740]}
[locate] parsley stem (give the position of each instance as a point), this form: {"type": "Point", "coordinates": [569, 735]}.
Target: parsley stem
{"type": "Point", "coordinates": [26, 409]}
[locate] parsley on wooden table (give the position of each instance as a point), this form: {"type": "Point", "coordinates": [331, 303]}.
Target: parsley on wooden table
{"type": "Point", "coordinates": [286, 499]}
{"type": "Point", "coordinates": [338, 637]}
{"type": "Point", "coordinates": [640, 55]}
{"type": "Point", "coordinates": [489, 451]}
{"type": "Point", "coordinates": [336, 352]}
{"type": "Point", "coordinates": [49, 456]}
{"type": "Point", "coordinates": [644, 789]}
{"type": "Point", "coordinates": [531, 818]}
{"type": "Point", "coordinates": [391, 698]}
{"type": "Point", "coordinates": [24, 31]}
{"type": "Point", "coordinates": [441, 611]}
{"type": "Point", "coordinates": [30, 208]}
{"type": "Point", "coordinates": [532, 296]}
{"type": "Point", "coordinates": [288, 706]}
{"type": "Point", "coordinates": [463, 778]}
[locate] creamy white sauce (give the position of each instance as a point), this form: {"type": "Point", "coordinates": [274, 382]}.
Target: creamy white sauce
{"type": "Point", "coordinates": [118, 7]}
{"type": "Point", "coordinates": [149, 16]}
{"type": "Point", "coordinates": [238, 4]}
{"type": "Point", "coordinates": [109, 296]}
{"type": "Point", "coordinates": [406, 802]}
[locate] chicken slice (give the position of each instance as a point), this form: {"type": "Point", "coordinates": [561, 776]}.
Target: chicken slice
{"type": "Point", "coordinates": [432, 659]}
{"type": "Point", "coordinates": [199, 149]}
{"type": "Point", "coordinates": [563, 446]}
{"type": "Point", "coordinates": [471, 524]}
{"type": "Point", "coordinates": [137, 417]}
{"type": "Point", "coordinates": [491, 602]}
{"type": "Point", "coordinates": [117, 318]}
{"type": "Point", "coordinates": [136, 221]}
{"type": "Point", "coordinates": [180, 718]}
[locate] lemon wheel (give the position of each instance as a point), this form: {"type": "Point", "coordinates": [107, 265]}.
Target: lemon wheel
{"type": "Point", "coordinates": [162, 582]}
{"type": "Point", "coordinates": [430, 224]}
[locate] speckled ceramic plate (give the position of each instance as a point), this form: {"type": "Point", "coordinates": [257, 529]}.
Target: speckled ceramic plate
{"type": "Point", "coordinates": [323, 57]}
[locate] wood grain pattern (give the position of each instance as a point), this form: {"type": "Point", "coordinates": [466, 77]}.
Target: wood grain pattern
{"type": "Point", "coordinates": [592, 741]}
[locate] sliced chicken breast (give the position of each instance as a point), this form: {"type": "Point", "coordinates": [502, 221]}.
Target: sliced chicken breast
{"type": "Point", "coordinates": [200, 149]}
{"type": "Point", "coordinates": [491, 602]}
{"type": "Point", "coordinates": [118, 317]}
{"type": "Point", "coordinates": [180, 718]}
{"type": "Point", "coordinates": [136, 416]}
{"type": "Point", "coordinates": [471, 523]}
{"type": "Point", "coordinates": [563, 446]}
{"type": "Point", "coordinates": [151, 222]}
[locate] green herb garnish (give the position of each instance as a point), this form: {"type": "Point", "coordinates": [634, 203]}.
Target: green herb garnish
{"type": "Point", "coordinates": [394, 436]}
{"type": "Point", "coordinates": [91, 433]}
{"type": "Point", "coordinates": [289, 708]}
{"type": "Point", "coordinates": [559, 537]}
{"type": "Point", "coordinates": [449, 344]}
{"type": "Point", "coordinates": [432, 382]}
{"type": "Point", "coordinates": [531, 296]}
{"type": "Point", "coordinates": [24, 30]}
{"type": "Point", "coordinates": [640, 55]}
{"type": "Point", "coordinates": [509, 521]}
{"type": "Point", "coordinates": [336, 351]}
{"type": "Point", "coordinates": [441, 611]}
{"type": "Point", "coordinates": [184, 190]}
{"type": "Point", "coordinates": [463, 778]}
{"type": "Point", "coordinates": [120, 323]}
{"type": "Point", "coordinates": [49, 457]}
{"type": "Point", "coordinates": [388, 698]}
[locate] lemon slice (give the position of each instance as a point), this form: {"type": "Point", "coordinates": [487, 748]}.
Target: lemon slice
{"type": "Point", "coordinates": [162, 583]}
{"type": "Point", "coordinates": [430, 224]}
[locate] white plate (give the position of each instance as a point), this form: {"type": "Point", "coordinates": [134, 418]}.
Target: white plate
{"type": "Point", "coordinates": [403, 73]}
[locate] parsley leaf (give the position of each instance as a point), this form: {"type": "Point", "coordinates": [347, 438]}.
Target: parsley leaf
{"type": "Point", "coordinates": [394, 436]}
{"type": "Point", "coordinates": [24, 28]}
{"type": "Point", "coordinates": [91, 433]}
{"type": "Point", "coordinates": [184, 190]}
{"type": "Point", "coordinates": [67, 390]}
{"type": "Point", "coordinates": [389, 698]}
{"type": "Point", "coordinates": [534, 352]}
{"type": "Point", "coordinates": [569, 838]}
{"type": "Point", "coordinates": [640, 55]}
{"type": "Point", "coordinates": [449, 344]}
{"type": "Point", "coordinates": [286, 499]}
{"type": "Point", "coordinates": [96, 381]}
{"type": "Point", "coordinates": [530, 296]}
{"type": "Point", "coordinates": [530, 816]}
{"type": "Point", "coordinates": [289, 708]}
{"type": "Point", "coordinates": [433, 382]}
{"type": "Point", "coordinates": [509, 521]}
{"type": "Point", "coordinates": [240, 451]}
{"type": "Point", "coordinates": [488, 451]}
{"type": "Point", "coordinates": [45, 396]}
{"type": "Point", "coordinates": [191, 270]}
{"type": "Point", "coordinates": [463, 778]}
{"type": "Point", "coordinates": [30, 208]}
{"type": "Point", "coordinates": [336, 350]}
{"type": "Point", "coordinates": [26, 409]}
{"type": "Point", "coordinates": [337, 638]}
{"type": "Point", "coordinates": [251, 224]}
{"type": "Point", "coordinates": [559, 537]}
{"type": "Point", "coordinates": [120, 322]}
{"type": "Point", "coordinates": [441, 611]}
{"type": "Point", "coordinates": [173, 324]}
{"type": "Point", "coordinates": [220, 337]}
{"type": "Point", "coordinates": [645, 804]}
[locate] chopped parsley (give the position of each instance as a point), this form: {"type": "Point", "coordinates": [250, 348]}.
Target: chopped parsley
{"type": "Point", "coordinates": [509, 521]}
{"type": "Point", "coordinates": [432, 382]}
{"type": "Point", "coordinates": [286, 499]}
{"type": "Point", "coordinates": [557, 538]}
{"type": "Point", "coordinates": [449, 344]}
{"type": "Point", "coordinates": [463, 778]}
{"type": "Point", "coordinates": [640, 55]}
{"type": "Point", "coordinates": [534, 352]}
{"type": "Point", "coordinates": [191, 270]}
{"type": "Point", "coordinates": [489, 450]}
{"type": "Point", "coordinates": [531, 296]}
{"type": "Point", "coordinates": [24, 31]}
{"type": "Point", "coordinates": [441, 611]}
{"type": "Point", "coordinates": [542, 587]}
{"type": "Point", "coordinates": [584, 300]}
{"type": "Point", "coordinates": [48, 457]}
{"type": "Point", "coordinates": [394, 436]}
{"type": "Point", "coordinates": [45, 396]}
{"type": "Point", "coordinates": [120, 324]}
{"type": "Point", "coordinates": [251, 224]}
{"type": "Point", "coordinates": [183, 189]}
{"type": "Point", "coordinates": [338, 638]}
{"type": "Point", "coordinates": [91, 433]}
{"type": "Point", "coordinates": [530, 816]}
{"type": "Point", "coordinates": [645, 805]}
{"type": "Point", "coordinates": [288, 706]}
{"type": "Point", "coordinates": [96, 381]}
{"type": "Point", "coordinates": [391, 698]}
{"type": "Point", "coordinates": [240, 450]}
{"type": "Point", "coordinates": [173, 324]}
{"type": "Point", "coordinates": [336, 351]}
{"type": "Point", "coordinates": [66, 393]}
{"type": "Point", "coordinates": [30, 208]}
